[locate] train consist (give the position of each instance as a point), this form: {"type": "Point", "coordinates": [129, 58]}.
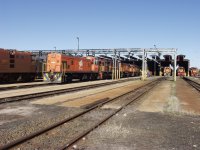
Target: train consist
{"type": "Point", "coordinates": [16, 66]}
{"type": "Point", "coordinates": [60, 68]}
{"type": "Point", "coordinates": [63, 68]}
{"type": "Point", "coordinates": [26, 67]}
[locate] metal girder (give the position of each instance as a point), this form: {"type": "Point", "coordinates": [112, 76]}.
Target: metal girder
{"type": "Point", "coordinates": [111, 51]}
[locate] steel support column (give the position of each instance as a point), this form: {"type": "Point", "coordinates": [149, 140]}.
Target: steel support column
{"type": "Point", "coordinates": [143, 64]}
{"type": "Point", "coordinates": [174, 66]}
{"type": "Point", "coordinates": [115, 66]}
{"type": "Point", "coordinates": [119, 69]}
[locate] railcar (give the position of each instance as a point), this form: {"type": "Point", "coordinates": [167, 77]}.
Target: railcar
{"type": "Point", "coordinates": [181, 71]}
{"type": "Point", "coordinates": [125, 70]}
{"type": "Point", "coordinates": [129, 70]}
{"type": "Point", "coordinates": [167, 71]}
{"type": "Point", "coordinates": [136, 70]}
{"type": "Point", "coordinates": [105, 67]}
{"type": "Point", "coordinates": [193, 71]}
{"type": "Point", "coordinates": [63, 68]}
{"type": "Point", "coordinates": [16, 66]}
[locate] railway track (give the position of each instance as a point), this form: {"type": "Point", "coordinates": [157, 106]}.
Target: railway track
{"type": "Point", "coordinates": [192, 83]}
{"type": "Point", "coordinates": [57, 92]}
{"type": "Point", "coordinates": [28, 85]}
{"type": "Point", "coordinates": [134, 96]}
{"type": "Point", "coordinates": [24, 86]}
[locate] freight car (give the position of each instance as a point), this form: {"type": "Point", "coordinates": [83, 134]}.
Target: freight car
{"type": "Point", "coordinates": [193, 71]}
{"type": "Point", "coordinates": [181, 71]}
{"type": "Point", "coordinates": [16, 66]}
{"type": "Point", "coordinates": [62, 68]}
{"type": "Point", "coordinates": [167, 71]}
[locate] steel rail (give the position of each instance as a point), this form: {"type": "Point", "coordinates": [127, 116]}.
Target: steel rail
{"type": "Point", "coordinates": [39, 132]}
{"type": "Point", "coordinates": [76, 139]}
{"type": "Point", "coordinates": [193, 83]}
{"type": "Point", "coordinates": [56, 92]}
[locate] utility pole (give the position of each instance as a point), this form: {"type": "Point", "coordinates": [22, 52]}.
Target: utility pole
{"type": "Point", "coordinates": [78, 42]}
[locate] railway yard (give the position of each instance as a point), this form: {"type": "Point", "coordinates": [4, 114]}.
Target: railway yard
{"type": "Point", "coordinates": [105, 114]}
{"type": "Point", "coordinates": [100, 75]}
{"type": "Point", "coordinates": [79, 100]}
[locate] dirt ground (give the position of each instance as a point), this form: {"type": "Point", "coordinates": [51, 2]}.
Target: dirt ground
{"type": "Point", "coordinates": [167, 118]}
{"type": "Point", "coordinates": [21, 118]}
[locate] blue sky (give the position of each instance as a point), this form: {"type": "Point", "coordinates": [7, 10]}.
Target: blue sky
{"type": "Point", "coordinates": [43, 24]}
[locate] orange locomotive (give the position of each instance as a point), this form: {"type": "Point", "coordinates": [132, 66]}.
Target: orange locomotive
{"type": "Point", "coordinates": [129, 70]}
{"type": "Point", "coordinates": [16, 66]}
{"type": "Point", "coordinates": [167, 71]}
{"type": "Point", "coordinates": [62, 68]}
{"type": "Point", "coordinates": [181, 71]}
{"type": "Point", "coordinates": [105, 67]}
{"type": "Point", "coordinates": [193, 71]}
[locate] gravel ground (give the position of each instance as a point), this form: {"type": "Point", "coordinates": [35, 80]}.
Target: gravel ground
{"type": "Point", "coordinates": [27, 121]}
{"type": "Point", "coordinates": [59, 136]}
{"type": "Point", "coordinates": [142, 130]}
{"type": "Point", "coordinates": [159, 121]}
{"type": "Point", "coordinates": [167, 118]}
{"type": "Point", "coordinates": [51, 88]}
{"type": "Point", "coordinates": [18, 119]}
